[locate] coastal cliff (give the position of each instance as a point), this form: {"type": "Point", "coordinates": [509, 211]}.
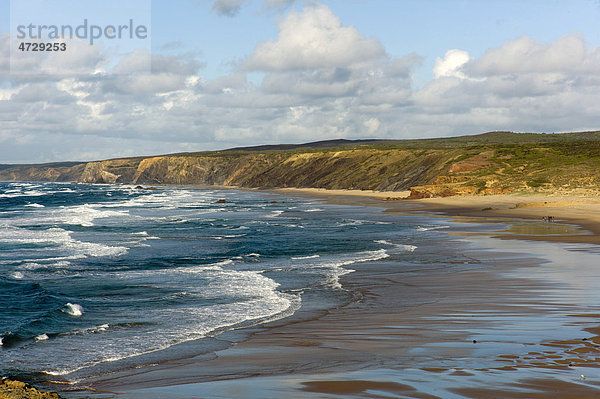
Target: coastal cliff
{"type": "Point", "coordinates": [491, 163]}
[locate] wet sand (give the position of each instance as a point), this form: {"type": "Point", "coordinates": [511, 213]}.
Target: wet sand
{"type": "Point", "coordinates": [516, 316]}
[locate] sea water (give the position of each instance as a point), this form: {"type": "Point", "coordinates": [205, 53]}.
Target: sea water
{"type": "Point", "coordinates": [97, 277]}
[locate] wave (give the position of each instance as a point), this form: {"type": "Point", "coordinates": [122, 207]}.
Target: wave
{"type": "Point", "coordinates": [73, 309]}
{"type": "Point", "coordinates": [305, 257]}
{"type": "Point", "coordinates": [56, 239]}
{"type": "Point", "coordinates": [34, 205]}
{"type": "Point", "coordinates": [334, 264]}
{"type": "Point", "coordinates": [17, 275]}
{"type": "Point", "coordinates": [145, 236]}
{"type": "Point", "coordinates": [257, 300]}
{"type": "Point", "coordinates": [31, 193]}
{"type": "Point", "coordinates": [41, 337]}
{"type": "Point", "coordinates": [404, 247]}
{"type": "Point", "coordinates": [435, 227]}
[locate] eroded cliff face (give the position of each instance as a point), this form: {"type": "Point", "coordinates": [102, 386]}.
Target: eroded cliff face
{"type": "Point", "coordinates": [351, 169]}
{"type": "Point", "coordinates": [42, 173]}
{"type": "Point", "coordinates": [428, 172]}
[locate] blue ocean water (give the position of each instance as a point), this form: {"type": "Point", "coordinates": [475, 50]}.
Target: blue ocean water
{"type": "Point", "coordinates": [92, 276]}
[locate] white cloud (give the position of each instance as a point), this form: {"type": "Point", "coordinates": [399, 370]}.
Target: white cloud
{"type": "Point", "coordinates": [451, 65]}
{"type": "Point", "coordinates": [525, 55]}
{"type": "Point", "coordinates": [314, 38]}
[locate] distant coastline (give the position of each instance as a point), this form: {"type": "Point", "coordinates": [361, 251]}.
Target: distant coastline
{"type": "Point", "coordinates": [485, 164]}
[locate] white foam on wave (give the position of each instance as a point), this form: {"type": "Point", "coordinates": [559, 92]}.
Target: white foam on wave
{"type": "Point", "coordinates": [19, 193]}
{"type": "Point", "coordinates": [314, 210]}
{"type": "Point", "coordinates": [429, 228]}
{"type": "Point", "coordinates": [29, 265]}
{"type": "Point", "coordinates": [274, 214]}
{"type": "Point", "coordinates": [59, 238]}
{"type": "Point", "coordinates": [217, 266]}
{"type": "Point", "coordinates": [170, 199]}
{"type": "Point", "coordinates": [145, 236]}
{"type": "Point", "coordinates": [305, 257]}
{"type": "Point", "coordinates": [41, 337]}
{"type": "Point", "coordinates": [17, 275]}
{"type": "Point", "coordinates": [403, 247]}
{"type": "Point", "coordinates": [34, 205]}
{"type": "Point", "coordinates": [73, 309]}
{"type": "Point", "coordinates": [84, 215]}
{"type": "Point", "coordinates": [238, 299]}
{"type": "Point", "coordinates": [335, 264]}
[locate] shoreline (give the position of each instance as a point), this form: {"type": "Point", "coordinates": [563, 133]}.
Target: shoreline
{"type": "Point", "coordinates": [583, 211]}
{"type": "Point", "coordinates": [414, 350]}
{"type": "Point", "coordinates": [365, 353]}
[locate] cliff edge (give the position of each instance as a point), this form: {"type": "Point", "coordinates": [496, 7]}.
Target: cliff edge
{"type": "Point", "coordinates": [491, 163]}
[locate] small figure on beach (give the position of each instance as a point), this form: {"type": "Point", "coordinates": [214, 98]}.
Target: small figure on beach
{"type": "Point", "coordinates": [548, 219]}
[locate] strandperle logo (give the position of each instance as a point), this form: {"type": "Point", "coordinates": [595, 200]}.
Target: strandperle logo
{"type": "Point", "coordinates": [83, 31]}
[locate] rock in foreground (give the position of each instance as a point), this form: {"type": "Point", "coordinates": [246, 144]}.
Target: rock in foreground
{"type": "Point", "coordinates": [10, 389]}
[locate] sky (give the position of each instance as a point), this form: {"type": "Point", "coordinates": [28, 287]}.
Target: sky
{"type": "Point", "coordinates": [216, 74]}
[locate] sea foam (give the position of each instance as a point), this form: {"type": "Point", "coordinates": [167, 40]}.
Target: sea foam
{"type": "Point", "coordinates": [73, 309]}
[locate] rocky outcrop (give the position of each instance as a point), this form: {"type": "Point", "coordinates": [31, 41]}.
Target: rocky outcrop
{"type": "Point", "coordinates": [10, 389]}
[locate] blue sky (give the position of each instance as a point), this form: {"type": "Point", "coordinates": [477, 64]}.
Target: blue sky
{"type": "Point", "coordinates": [242, 72]}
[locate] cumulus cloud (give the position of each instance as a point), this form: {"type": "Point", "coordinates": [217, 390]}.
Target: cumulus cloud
{"type": "Point", "coordinates": [313, 38]}
{"type": "Point", "coordinates": [521, 85]}
{"type": "Point", "coordinates": [451, 65]}
{"type": "Point", "coordinates": [525, 55]}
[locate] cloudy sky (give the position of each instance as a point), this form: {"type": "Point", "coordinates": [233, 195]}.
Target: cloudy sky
{"type": "Point", "coordinates": [220, 73]}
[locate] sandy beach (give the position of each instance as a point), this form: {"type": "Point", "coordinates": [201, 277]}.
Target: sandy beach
{"type": "Point", "coordinates": [515, 316]}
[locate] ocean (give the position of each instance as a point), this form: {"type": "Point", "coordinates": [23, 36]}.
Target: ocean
{"type": "Point", "coordinates": [97, 278]}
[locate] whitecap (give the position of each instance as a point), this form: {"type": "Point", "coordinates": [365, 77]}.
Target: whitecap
{"type": "Point", "coordinates": [404, 247]}
{"type": "Point", "coordinates": [305, 257]}
{"type": "Point", "coordinates": [73, 309]}
{"type": "Point", "coordinates": [145, 235]}
{"type": "Point", "coordinates": [34, 205]}
{"type": "Point", "coordinates": [61, 238]}
{"type": "Point", "coordinates": [41, 337]}
{"type": "Point", "coordinates": [383, 242]}
{"type": "Point", "coordinates": [408, 248]}
{"type": "Point", "coordinates": [314, 210]}
{"type": "Point", "coordinates": [17, 275]}
{"type": "Point", "coordinates": [428, 228]}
